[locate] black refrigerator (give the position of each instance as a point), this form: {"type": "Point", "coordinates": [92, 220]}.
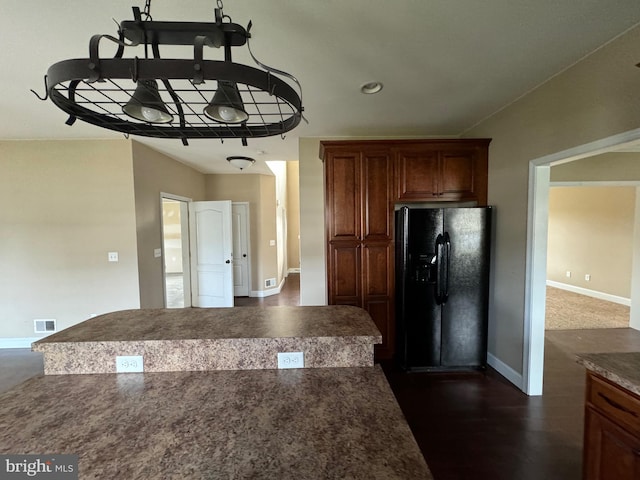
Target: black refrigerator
{"type": "Point", "coordinates": [442, 287]}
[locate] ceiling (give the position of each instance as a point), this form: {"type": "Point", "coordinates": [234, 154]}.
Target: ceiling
{"type": "Point", "coordinates": [445, 65]}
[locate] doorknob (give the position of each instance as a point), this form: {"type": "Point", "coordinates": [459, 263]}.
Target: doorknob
{"type": "Point", "coordinates": [228, 261]}
{"type": "Point", "coordinates": [244, 255]}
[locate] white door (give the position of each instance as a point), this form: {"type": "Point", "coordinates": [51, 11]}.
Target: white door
{"type": "Point", "coordinates": [211, 254]}
{"type": "Point", "coordinates": [241, 262]}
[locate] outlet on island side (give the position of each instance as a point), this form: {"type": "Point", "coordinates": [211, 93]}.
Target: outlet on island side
{"type": "Point", "coordinates": [129, 364]}
{"type": "Point", "coordinates": [291, 360]}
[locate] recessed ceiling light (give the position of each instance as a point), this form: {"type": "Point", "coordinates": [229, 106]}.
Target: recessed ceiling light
{"type": "Point", "coordinates": [370, 88]}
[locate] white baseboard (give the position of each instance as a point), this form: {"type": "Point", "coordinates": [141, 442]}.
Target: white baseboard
{"type": "Point", "coordinates": [18, 342]}
{"type": "Point", "coordinates": [591, 293]}
{"type": "Point", "coordinates": [506, 371]}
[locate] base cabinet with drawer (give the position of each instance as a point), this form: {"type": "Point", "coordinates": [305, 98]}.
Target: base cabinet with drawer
{"type": "Point", "coordinates": [611, 432]}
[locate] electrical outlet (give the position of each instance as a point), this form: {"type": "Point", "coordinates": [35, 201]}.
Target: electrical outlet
{"type": "Point", "coordinates": [587, 277]}
{"type": "Point", "coordinates": [113, 256]}
{"type": "Point", "coordinates": [568, 274]}
{"type": "Point", "coordinates": [129, 364]}
{"type": "Point", "coordinates": [291, 360]}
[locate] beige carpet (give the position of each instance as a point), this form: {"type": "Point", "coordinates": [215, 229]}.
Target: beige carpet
{"type": "Point", "coordinates": [569, 311]}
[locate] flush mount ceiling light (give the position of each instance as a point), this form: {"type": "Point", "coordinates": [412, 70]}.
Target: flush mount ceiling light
{"type": "Point", "coordinates": [241, 162]}
{"type": "Point", "coordinates": [371, 87]}
{"type": "Point", "coordinates": [176, 98]}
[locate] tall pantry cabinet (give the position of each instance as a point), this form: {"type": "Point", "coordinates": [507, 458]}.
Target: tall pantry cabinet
{"type": "Point", "coordinates": [363, 182]}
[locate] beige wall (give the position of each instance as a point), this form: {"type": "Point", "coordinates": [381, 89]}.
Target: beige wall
{"type": "Point", "coordinates": [293, 215]}
{"type": "Point", "coordinates": [66, 204]}
{"type": "Point", "coordinates": [608, 167]}
{"type": "Point", "coordinates": [591, 232]}
{"type": "Point", "coordinates": [260, 192]}
{"type": "Point", "coordinates": [155, 173]}
{"type": "Point", "coordinates": [594, 99]}
{"type": "Point", "coordinates": [313, 279]}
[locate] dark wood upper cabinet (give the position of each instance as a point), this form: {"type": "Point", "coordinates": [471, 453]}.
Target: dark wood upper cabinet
{"type": "Point", "coordinates": [439, 171]}
{"type": "Point", "coordinates": [363, 181]}
{"type": "Point", "coordinates": [343, 204]}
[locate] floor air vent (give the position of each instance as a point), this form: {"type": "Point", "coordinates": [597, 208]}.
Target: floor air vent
{"type": "Point", "coordinates": [44, 325]}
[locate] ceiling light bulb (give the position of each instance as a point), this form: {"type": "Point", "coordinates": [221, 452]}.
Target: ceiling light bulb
{"type": "Point", "coordinates": [229, 114]}
{"type": "Point", "coordinates": [151, 114]}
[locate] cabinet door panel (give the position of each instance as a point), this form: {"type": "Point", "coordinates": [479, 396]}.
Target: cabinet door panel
{"type": "Point", "coordinates": [378, 293]}
{"type": "Point", "coordinates": [377, 171]}
{"type": "Point", "coordinates": [416, 174]}
{"type": "Point", "coordinates": [457, 175]}
{"type": "Point", "coordinates": [377, 266]}
{"type": "Point", "coordinates": [380, 310]}
{"type": "Point", "coordinates": [343, 196]}
{"type": "Point", "coordinates": [345, 271]}
{"type": "Point", "coordinates": [611, 453]}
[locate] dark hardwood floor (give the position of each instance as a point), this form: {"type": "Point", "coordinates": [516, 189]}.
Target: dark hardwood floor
{"type": "Point", "coordinates": [469, 425]}
{"type": "Point", "coordinates": [479, 426]}
{"type": "Point", "coordinates": [289, 295]}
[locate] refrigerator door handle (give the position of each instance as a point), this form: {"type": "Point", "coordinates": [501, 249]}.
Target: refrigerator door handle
{"type": "Point", "coordinates": [447, 261]}
{"type": "Point", "coordinates": [439, 269]}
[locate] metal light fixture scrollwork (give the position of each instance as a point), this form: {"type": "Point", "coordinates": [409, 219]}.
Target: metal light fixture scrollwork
{"type": "Point", "coordinates": [176, 98]}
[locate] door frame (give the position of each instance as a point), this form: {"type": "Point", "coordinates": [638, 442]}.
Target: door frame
{"type": "Point", "coordinates": [536, 252]}
{"type": "Point", "coordinates": [186, 246]}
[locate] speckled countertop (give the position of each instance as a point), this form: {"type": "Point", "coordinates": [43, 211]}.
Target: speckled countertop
{"type": "Point", "coordinates": [253, 424]}
{"type": "Point", "coordinates": [621, 368]}
{"type": "Point", "coordinates": [213, 339]}
{"type": "Point", "coordinates": [216, 323]}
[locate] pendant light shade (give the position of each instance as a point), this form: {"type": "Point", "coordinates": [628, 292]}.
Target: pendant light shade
{"type": "Point", "coordinates": [146, 105]}
{"type": "Point", "coordinates": [226, 106]}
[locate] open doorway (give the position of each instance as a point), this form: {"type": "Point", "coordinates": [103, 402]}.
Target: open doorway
{"type": "Point", "coordinates": [537, 237]}
{"type": "Point", "coordinates": [175, 249]}
{"type": "Point", "coordinates": [590, 246]}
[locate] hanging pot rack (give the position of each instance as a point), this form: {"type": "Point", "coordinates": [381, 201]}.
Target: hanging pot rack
{"type": "Point", "coordinates": [96, 90]}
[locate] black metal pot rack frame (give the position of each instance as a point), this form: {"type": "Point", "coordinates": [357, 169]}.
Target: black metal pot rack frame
{"type": "Point", "coordinates": [95, 90]}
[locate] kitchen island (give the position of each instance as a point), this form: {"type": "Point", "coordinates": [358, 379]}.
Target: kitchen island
{"type": "Point", "coordinates": [191, 339]}
{"type": "Point", "coordinates": [612, 416]}
{"type": "Point", "coordinates": [338, 422]}
{"type": "Point", "coordinates": [325, 423]}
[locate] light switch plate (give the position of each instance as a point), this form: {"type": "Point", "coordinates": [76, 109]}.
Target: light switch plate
{"type": "Point", "coordinates": [157, 252]}
{"type": "Point", "coordinates": [129, 364]}
{"type": "Point", "coordinates": [291, 360]}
